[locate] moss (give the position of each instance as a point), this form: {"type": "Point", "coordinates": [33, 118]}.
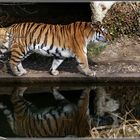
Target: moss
{"type": "Point", "coordinates": [95, 49]}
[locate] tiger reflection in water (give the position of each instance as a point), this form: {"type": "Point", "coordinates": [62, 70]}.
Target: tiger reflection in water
{"type": "Point", "coordinates": [65, 119]}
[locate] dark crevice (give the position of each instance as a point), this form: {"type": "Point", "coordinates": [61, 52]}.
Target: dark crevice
{"type": "Point", "coordinates": [52, 13]}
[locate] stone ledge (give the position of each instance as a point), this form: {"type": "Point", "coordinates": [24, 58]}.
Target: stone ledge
{"type": "Point", "coordinates": [43, 82]}
{"type": "Point", "coordinates": [68, 78]}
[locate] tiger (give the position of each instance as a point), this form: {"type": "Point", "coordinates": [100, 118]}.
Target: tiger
{"type": "Point", "coordinates": [57, 41]}
{"type": "Point", "coordinates": [65, 119]}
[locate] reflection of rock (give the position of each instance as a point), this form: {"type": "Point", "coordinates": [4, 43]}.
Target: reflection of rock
{"type": "Point", "coordinates": [65, 118]}
{"type": "Point", "coordinates": [116, 100]}
{"type": "Point", "coordinates": [106, 105]}
{"type": "Point", "coordinates": [128, 97]}
{"type": "Point", "coordinates": [123, 99]}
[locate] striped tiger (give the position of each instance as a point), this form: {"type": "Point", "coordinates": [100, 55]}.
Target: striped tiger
{"type": "Point", "coordinates": [63, 120]}
{"type": "Point", "coordinates": [58, 41]}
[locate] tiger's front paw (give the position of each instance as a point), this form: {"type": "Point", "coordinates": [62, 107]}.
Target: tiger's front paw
{"type": "Point", "coordinates": [54, 72]}
{"type": "Point", "coordinates": [20, 73]}
{"type": "Point", "coordinates": [87, 71]}
{"type": "Point", "coordinates": [90, 73]}
{"type": "Point", "coordinates": [23, 71]}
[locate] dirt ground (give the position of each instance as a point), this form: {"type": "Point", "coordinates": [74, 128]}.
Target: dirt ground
{"type": "Point", "coordinates": [121, 56]}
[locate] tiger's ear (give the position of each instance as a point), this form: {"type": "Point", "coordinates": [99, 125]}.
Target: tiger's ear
{"type": "Point", "coordinates": [96, 25]}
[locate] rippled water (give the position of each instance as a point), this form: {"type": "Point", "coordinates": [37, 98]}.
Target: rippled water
{"type": "Point", "coordinates": [65, 111]}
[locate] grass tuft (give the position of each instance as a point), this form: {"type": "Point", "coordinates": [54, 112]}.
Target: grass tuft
{"type": "Point", "coordinates": [129, 127]}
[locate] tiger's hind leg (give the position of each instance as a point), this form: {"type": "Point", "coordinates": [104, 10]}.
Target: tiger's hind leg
{"type": "Point", "coordinates": [55, 64]}
{"type": "Point", "coordinates": [17, 70]}
{"type": "Point", "coordinates": [83, 65]}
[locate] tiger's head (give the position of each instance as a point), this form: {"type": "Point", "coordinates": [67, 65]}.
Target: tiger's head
{"type": "Point", "coordinates": [101, 33]}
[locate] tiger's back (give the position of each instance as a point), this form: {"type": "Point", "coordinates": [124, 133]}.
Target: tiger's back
{"type": "Point", "coordinates": [26, 34]}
